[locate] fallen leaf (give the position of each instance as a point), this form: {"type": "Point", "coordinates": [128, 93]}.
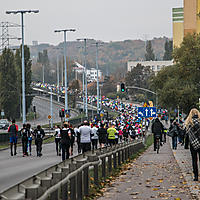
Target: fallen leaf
{"type": "Point", "coordinates": [155, 189]}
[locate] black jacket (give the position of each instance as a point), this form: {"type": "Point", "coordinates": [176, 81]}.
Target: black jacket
{"type": "Point", "coordinates": [65, 138]}
{"type": "Point", "coordinates": [157, 127]}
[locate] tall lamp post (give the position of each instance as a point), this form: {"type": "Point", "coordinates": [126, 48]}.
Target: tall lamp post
{"type": "Point", "coordinates": [22, 12]}
{"type": "Point", "coordinates": [85, 65]}
{"type": "Point", "coordinates": [65, 59]}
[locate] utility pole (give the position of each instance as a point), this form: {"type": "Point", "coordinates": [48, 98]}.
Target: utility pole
{"type": "Point", "coordinates": [85, 65]}
{"type": "Point", "coordinates": [58, 78]}
{"type": "Point", "coordinates": [51, 108]}
{"type": "Point", "coordinates": [97, 67]}
{"type": "Point", "coordinates": [22, 12]}
{"type": "Point", "coordinates": [65, 59]}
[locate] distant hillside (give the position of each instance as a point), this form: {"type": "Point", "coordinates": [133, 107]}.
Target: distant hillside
{"type": "Point", "coordinates": [112, 56]}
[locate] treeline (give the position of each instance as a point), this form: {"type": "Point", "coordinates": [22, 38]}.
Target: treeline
{"type": "Point", "coordinates": [11, 82]}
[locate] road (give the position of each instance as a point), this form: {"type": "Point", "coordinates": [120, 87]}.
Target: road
{"type": "Point", "coordinates": [43, 109]}
{"type": "Point", "coordinates": [14, 169]}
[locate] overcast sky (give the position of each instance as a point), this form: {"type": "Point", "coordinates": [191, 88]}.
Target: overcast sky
{"type": "Point", "coordinates": [107, 20]}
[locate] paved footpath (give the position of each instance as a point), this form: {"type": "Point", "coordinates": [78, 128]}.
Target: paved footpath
{"type": "Point", "coordinates": [184, 160]}
{"type": "Point", "coordinates": [151, 176]}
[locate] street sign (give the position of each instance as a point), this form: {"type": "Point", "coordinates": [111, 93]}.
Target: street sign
{"type": "Point", "coordinates": [49, 116]}
{"type": "Point", "coordinates": [146, 112]}
{"type": "Point", "coordinates": [67, 115]}
{"type": "Point", "coordinates": [145, 105]}
{"type": "Point", "coordinates": [150, 103]}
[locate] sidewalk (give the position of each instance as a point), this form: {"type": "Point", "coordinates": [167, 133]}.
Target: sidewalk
{"type": "Point", "coordinates": [184, 160]}
{"type": "Point", "coordinates": [151, 176]}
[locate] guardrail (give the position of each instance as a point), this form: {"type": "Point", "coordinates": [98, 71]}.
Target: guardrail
{"type": "Point", "coordinates": [70, 179]}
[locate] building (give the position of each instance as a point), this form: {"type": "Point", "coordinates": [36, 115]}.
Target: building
{"type": "Point", "coordinates": [186, 20]}
{"type": "Point", "coordinates": [178, 26]}
{"type": "Point", "coordinates": [35, 43]}
{"type": "Point", "coordinates": [155, 66]}
{"type": "Point", "coordinates": [90, 73]}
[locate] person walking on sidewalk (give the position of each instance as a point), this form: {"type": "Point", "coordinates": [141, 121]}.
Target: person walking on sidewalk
{"type": "Point", "coordinates": [157, 130]}
{"type": "Point", "coordinates": [193, 135]}
{"type": "Point", "coordinates": [13, 129]}
{"type": "Point", "coordinates": [174, 129]}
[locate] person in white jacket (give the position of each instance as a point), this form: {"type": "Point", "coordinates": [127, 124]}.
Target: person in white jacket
{"type": "Point", "coordinates": [94, 137]}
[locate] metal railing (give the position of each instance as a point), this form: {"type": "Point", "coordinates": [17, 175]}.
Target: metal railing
{"type": "Point", "coordinates": [71, 179]}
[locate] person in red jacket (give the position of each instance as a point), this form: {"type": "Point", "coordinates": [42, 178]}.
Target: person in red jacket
{"type": "Point", "coordinates": [13, 130]}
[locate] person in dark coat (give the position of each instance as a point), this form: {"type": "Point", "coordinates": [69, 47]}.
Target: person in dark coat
{"type": "Point", "coordinates": [24, 135]}
{"type": "Point", "coordinates": [39, 135]}
{"type": "Point", "coordinates": [191, 122]}
{"type": "Point", "coordinates": [175, 129]}
{"type": "Point", "coordinates": [157, 130]}
{"type": "Point", "coordinates": [102, 133]}
{"type": "Point", "coordinates": [65, 141]}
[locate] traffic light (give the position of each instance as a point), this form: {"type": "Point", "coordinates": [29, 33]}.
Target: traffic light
{"type": "Point", "coordinates": [123, 87]}
{"type": "Point", "coordinates": [62, 113]}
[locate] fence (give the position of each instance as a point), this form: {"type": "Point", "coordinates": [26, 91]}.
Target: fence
{"type": "Point", "coordinates": [70, 179]}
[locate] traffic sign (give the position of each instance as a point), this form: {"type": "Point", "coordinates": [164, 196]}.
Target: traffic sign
{"type": "Point", "coordinates": [49, 116]}
{"type": "Point", "coordinates": [146, 112]}
{"type": "Point", "coordinates": [145, 105]}
{"type": "Point", "coordinates": [67, 115]}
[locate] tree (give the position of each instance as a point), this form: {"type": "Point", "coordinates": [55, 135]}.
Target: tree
{"type": "Point", "coordinates": [179, 85]}
{"type": "Point", "coordinates": [168, 50]}
{"type": "Point", "coordinates": [149, 52]}
{"type": "Point", "coordinates": [9, 98]}
{"type": "Point", "coordinates": [28, 74]}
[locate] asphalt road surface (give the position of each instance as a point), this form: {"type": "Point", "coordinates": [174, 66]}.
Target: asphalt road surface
{"type": "Point", "coordinates": [43, 109]}
{"type": "Point", "coordinates": [14, 169]}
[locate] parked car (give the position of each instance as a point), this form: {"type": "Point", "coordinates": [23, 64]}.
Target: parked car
{"type": "Point", "coordinates": [4, 124]}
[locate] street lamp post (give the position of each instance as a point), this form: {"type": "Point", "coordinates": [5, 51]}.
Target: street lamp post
{"type": "Point", "coordinates": [58, 80]}
{"type": "Point", "coordinates": [85, 65]}
{"type": "Point", "coordinates": [97, 67]}
{"type": "Point", "coordinates": [22, 12]}
{"type": "Point", "coordinates": [65, 59]}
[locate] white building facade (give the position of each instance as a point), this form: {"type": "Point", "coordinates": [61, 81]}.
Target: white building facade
{"type": "Point", "coordinates": [155, 66]}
